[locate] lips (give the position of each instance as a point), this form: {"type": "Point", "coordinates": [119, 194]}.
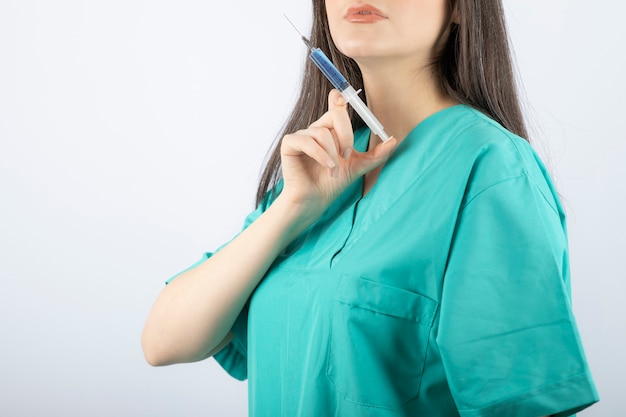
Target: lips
{"type": "Point", "coordinates": [364, 13]}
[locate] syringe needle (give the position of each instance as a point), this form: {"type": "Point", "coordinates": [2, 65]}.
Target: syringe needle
{"type": "Point", "coordinates": [306, 41]}
{"type": "Point", "coordinates": [294, 26]}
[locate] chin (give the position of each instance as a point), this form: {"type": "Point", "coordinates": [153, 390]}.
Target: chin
{"type": "Point", "coordinates": [358, 50]}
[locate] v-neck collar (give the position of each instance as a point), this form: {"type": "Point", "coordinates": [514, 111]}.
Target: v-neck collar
{"type": "Point", "coordinates": [410, 160]}
{"type": "Point", "coordinates": [351, 215]}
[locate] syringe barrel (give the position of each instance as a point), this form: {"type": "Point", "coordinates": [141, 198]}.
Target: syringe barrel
{"type": "Point", "coordinates": [340, 83]}
{"type": "Point", "coordinates": [368, 117]}
{"type": "Point", "coordinates": [328, 69]}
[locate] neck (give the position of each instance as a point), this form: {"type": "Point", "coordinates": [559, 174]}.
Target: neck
{"type": "Point", "coordinates": [402, 98]}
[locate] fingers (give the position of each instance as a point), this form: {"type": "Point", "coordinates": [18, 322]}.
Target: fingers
{"type": "Point", "coordinates": [316, 143]}
{"type": "Point", "coordinates": [363, 162]}
{"type": "Point", "coordinates": [335, 99]}
{"type": "Point", "coordinates": [337, 120]}
{"type": "Point", "coordinates": [325, 139]}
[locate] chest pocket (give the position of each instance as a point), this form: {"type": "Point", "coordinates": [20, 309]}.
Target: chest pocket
{"type": "Point", "coordinates": [378, 342]}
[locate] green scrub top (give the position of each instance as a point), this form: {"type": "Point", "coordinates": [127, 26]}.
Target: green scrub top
{"type": "Point", "coordinates": [443, 292]}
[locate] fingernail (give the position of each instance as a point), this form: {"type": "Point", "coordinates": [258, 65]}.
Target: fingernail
{"type": "Point", "coordinates": [335, 172]}
{"type": "Point", "coordinates": [330, 163]}
{"type": "Point", "coordinates": [346, 153]}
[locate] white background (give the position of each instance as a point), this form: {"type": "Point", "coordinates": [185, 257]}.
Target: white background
{"type": "Point", "coordinates": [131, 137]}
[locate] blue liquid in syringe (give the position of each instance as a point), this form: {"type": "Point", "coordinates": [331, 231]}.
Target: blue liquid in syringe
{"type": "Point", "coordinates": [351, 96]}
{"type": "Point", "coordinates": [328, 69]}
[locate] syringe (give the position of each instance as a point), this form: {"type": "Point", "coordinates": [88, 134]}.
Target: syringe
{"type": "Point", "coordinates": [347, 91]}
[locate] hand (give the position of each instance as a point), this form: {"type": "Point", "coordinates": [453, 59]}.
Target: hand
{"type": "Point", "coordinates": [319, 162]}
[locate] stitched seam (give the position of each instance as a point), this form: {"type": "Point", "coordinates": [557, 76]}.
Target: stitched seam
{"type": "Point", "coordinates": [505, 404]}
{"type": "Point", "coordinates": [417, 320]}
{"type": "Point", "coordinates": [492, 186]}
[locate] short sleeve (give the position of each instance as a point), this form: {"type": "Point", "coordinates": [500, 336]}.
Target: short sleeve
{"type": "Point", "coordinates": [233, 357]}
{"type": "Point", "coordinates": [507, 336]}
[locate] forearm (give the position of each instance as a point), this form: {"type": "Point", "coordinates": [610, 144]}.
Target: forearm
{"type": "Point", "coordinates": [195, 312]}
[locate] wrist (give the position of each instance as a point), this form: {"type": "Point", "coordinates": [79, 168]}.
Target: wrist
{"type": "Point", "coordinates": [295, 216]}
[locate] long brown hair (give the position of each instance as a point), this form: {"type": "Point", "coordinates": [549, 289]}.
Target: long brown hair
{"type": "Point", "coordinates": [474, 68]}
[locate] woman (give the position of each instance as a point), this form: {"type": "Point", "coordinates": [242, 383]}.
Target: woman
{"type": "Point", "coordinates": [423, 276]}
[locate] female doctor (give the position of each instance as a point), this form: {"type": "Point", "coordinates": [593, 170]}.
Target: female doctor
{"type": "Point", "coordinates": [424, 276]}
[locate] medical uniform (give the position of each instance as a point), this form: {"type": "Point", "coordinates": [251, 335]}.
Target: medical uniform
{"type": "Point", "coordinates": [443, 292]}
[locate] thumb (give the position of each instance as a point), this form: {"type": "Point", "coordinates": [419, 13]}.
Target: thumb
{"type": "Point", "coordinates": [363, 162]}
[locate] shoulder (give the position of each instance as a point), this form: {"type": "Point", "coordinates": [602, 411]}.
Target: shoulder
{"type": "Point", "coordinates": [463, 136]}
{"type": "Point", "coordinates": [487, 144]}
{"type": "Point", "coordinates": [494, 156]}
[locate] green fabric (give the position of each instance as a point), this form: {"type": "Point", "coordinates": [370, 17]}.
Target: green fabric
{"type": "Point", "coordinates": [443, 292]}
